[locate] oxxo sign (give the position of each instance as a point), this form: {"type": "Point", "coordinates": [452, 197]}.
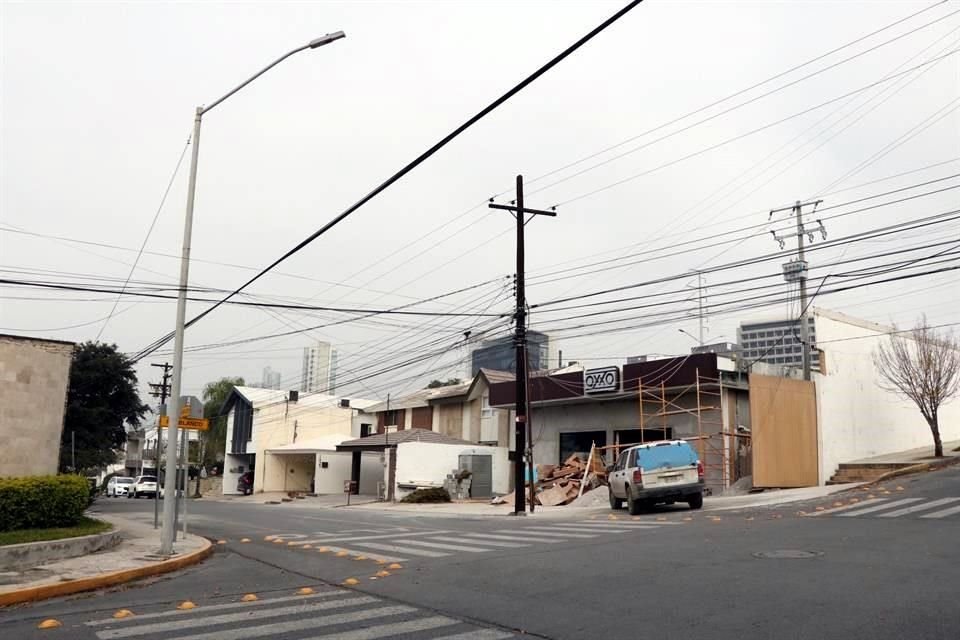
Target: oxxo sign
{"type": "Point", "coordinates": [601, 380]}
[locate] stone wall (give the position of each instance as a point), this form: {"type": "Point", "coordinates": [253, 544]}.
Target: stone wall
{"type": "Point", "coordinates": [34, 376]}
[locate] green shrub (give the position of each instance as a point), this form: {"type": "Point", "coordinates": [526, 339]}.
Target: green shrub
{"type": "Point", "coordinates": [427, 495]}
{"type": "Point", "coordinates": [42, 501]}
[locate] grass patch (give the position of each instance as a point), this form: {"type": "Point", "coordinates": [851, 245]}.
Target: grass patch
{"type": "Point", "coordinates": [86, 527]}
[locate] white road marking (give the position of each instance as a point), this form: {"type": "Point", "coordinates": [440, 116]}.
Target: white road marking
{"type": "Point", "coordinates": [579, 529]}
{"type": "Point", "coordinates": [323, 541]}
{"type": "Point", "coordinates": [633, 524]}
{"type": "Point", "coordinates": [879, 507]}
{"type": "Point", "coordinates": [489, 543]}
{"type": "Point", "coordinates": [548, 531]}
{"type": "Point", "coordinates": [448, 547]}
{"type": "Point", "coordinates": [405, 550]}
{"type": "Point", "coordinates": [479, 634]}
{"type": "Point", "coordinates": [919, 507]}
{"type": "Point", "coordinates": [942, 514]}
{"type": "Point", "coordinates": [389, 630]}
{"type": "Point", "coordinates": [847, 507]}
{"type": "Point", "coordinates": [279, 629]}
{"type": "Point", "coordinates": [373, 556]}
{"type": "Point", "coordinates": [226, 618]}
{"type": "Point", "coordinates": [513, 538]}
{"type": "Point", "coordinates": [218, 607]}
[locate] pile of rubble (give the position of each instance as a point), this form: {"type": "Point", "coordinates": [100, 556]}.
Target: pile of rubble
{"type": "Point", "coordinates": [561, 484]}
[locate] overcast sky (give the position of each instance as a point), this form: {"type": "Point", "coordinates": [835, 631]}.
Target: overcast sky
{"type": "Point", "coordinates": [97, 105]}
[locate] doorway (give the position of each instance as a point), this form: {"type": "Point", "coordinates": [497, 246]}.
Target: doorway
{"type": "Point", "coordinates": [481, 474]}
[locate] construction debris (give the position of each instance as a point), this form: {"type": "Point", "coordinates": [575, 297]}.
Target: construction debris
{"type": "Point", "coordinates": [560, 485]}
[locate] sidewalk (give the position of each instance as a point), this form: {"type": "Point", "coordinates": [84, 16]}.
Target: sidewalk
{"type": "Point", "coordinates": [600, 505]}
{"type": "Point", "coordinates": [912, 456]}
{"type": "Point", "coordinates": [135, 557]}
{"type": "Point", "coordinates": [324, 501]}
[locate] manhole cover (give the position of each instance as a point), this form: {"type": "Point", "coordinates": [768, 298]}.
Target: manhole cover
{"type": "Point", "coordinates": [787, 554]}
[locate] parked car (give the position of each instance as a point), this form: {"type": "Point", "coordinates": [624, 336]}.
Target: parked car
{"type": "Point", "coordinates": [118, 486]}
{"type": "Point", "coordinates": [666, 471]}
{"type": "Point", "coordinates": [245, 483]}
{"type": "Point", "coordinates": [144, 486]}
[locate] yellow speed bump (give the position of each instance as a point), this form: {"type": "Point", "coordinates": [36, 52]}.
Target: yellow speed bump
{"type": "Point", "coordinates": [186, 605]}
{"type": "Point", "coordinates": [359, 557]}
{"type": "Point", "coordinates": [323, 549]}
{"type": "Point", "coordinates": [221, 542]}
{"type": "Point", "coordinates": [381, 561]}
{"type": "Point", "coordinates": [250, 597]}
{"type": "Point", "coordinates": [292, 543]}
{"type": "Point", "coordinates": [244, 540]}
{"type": "Point", "coordinates": [395, 566]}
{"type": "Point", "coordinates": [275, 541]}
{"type": "Point", "coordinates": [341, 554]}
{"type": "Point", "coordinates": [49, 623]}
{"type": "Point", "coordinates": [308, 546]}
{"type": "Point", "coordinates": [268, 538]}
{"type": "Point", "coordinates": [382, 574]}
{"type": "Point", "coordinates": [304, 591]}
{"type": "Point", "coordinates": [349, 582]}
{"type": "Point", "coordinates": [123, 613]}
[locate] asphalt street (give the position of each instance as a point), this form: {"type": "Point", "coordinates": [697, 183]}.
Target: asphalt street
{"type": "Point", "coordinates": [875, 563]}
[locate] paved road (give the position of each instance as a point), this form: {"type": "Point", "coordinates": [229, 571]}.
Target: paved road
{"type": "Point", "coordinates": [867, 564]}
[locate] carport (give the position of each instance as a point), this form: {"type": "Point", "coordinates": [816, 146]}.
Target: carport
{"type": "Point", "coordinates": [315, 466]}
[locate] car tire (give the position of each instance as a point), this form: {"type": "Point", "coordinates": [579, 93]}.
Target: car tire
{"type": "Point", "coordinates": [696, 502]}
{"type": "Point", "coordinates": [615, 503]}
{"type": "Point", "coordinates": [633, 506]}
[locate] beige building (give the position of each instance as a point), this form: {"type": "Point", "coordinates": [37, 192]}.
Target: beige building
{"type": "Point", "coordinates": [34, 377]}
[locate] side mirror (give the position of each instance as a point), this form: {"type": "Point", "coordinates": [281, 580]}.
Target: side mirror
{"type": "Point", "coordinates": [610, 468]}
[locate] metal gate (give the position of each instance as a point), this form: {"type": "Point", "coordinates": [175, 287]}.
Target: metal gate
{"type": "Point", "coordinates": [481, 475]}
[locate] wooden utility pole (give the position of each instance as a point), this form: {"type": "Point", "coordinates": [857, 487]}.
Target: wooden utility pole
{"type": "Point", "coordinates": [520, 342]}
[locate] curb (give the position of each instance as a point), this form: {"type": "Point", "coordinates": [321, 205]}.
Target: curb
{"type": "Point", "coordinates": [914, 468]}
{"type": "Point", "coordinates": [33, 594]}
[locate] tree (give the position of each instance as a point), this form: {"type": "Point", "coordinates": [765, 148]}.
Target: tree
{"type": "Point", "coordinates": [102, 398]}
{"type": "Point", "coordinates": [214, 440]}
{"type": "Point", "coordinates": [436, 384]}
{"type": "Point", "coordinates": [923, 366]}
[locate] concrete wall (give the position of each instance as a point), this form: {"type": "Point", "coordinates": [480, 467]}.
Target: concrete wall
{"type": "Point", "coordinates": [339, 467]}
{"type": "Point", "coordinates": [857, 418]}
{"type": "Point", "coordinates": [232, 464]}
{"type": "Point", "coordinates": [34, 377]}
{"type": "Point", "coordinates": [428, 464]}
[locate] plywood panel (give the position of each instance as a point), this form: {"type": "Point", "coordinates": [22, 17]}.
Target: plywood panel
{"type": "Point", "coordinates": [783, 415]}
{"type": "Point", "coordinates": [451, 420]}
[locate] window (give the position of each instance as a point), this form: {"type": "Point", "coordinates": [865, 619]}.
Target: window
{"type": "Point", "coordinates": [486, 410]}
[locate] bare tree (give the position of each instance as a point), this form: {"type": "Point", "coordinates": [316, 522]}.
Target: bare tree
{"type": "Point", "coordinates": [923, 366]}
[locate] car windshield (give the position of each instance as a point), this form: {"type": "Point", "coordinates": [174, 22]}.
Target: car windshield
{"type": "Point", "coordinates": [124, 480]}
{"type": "Point", "coordinates": [666, 456]}
{"type": "Point", "coordinates": [147, 479]}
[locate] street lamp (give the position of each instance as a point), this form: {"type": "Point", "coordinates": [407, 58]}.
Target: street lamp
{"type": "Point", "coordinates": [167, 533]}
{"type": "Point", "coordinates": [690, 335]}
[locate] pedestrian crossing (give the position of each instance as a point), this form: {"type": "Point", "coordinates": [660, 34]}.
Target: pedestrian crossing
{"type": "Point", "coordinates": [886, 508]}
{"type": "Point", "coordinates": [434, 544]}
{"type": "Point", "coordinates": [335, 614]}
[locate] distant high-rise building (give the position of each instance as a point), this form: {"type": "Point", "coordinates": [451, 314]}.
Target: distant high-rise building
{"type": "Point", "coordinates": [501, 353]}
{"type": "Point", "coordinates": [270, 379]}
{"type": "Point", "coordinates": [776, 342]}
{"type": "Point", "coordinates": [319, 369]}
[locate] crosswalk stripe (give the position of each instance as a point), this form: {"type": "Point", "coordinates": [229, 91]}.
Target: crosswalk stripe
{"type": "Point", "coordinates": [373, 556]}
{"type": "Point", "coordinates": [642, 524]}
{"type": "Point", "coordinates": [943, 513]}
{"type": "Point", "coordinates": [219, 607]}
{"type": "Point", "coordinates": [513, 538]}
{"type": "Point", "coordinates": [226, 618]}
{"type": "Point", "coordinates": [578, 529]}
{"type": "Point", "coordinates": [520, 534]}
{"type": "Point", "coordinates": [847, 507]}
{"type": "Point", "coordinates": [336, 538]}
{"type": "Point", "coordinates": [548, 531]}
{"type": "Point", "coordinates": [489, 543]}
{"type": "Point", "coordinates": [448, 547]}
{"type": "Point", "coordinates": [278, 629]}
{"type": "Point", "coordinates": [387, 630]}
{"type": "Point", "coordinates": [479, 634]}
{"type": "Point", "coordinates": [406, 550]}
{"type": "Point", "coordinates": [918, 507]}
{"type": "Point", "coordinates": [879, 507]}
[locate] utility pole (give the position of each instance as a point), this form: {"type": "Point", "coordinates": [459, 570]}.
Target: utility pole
{"type": "Point", "coordinates": [700, 304]}
{"type": "Point", "coordinates": [162, 391]}
{"type": "Point", "coordinates": [796, 270]}
{"type": "Point", "coordinates": [520, 340]}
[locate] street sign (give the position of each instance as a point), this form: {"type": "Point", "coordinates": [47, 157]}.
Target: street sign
{"type": "Point", "coordinates": [200, 424]}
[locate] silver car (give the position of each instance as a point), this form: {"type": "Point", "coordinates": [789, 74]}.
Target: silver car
{"type": "Point", "coordinates": [667, 471]}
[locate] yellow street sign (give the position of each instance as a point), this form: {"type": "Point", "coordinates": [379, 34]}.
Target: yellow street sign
{"type": "Point", "coordinates": [200, 424]}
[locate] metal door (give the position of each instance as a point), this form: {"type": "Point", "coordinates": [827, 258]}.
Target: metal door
{"type": "Point", "coordinates": [481, 476]}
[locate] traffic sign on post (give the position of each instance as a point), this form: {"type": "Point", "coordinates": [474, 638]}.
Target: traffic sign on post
{"type": "Point", "coordinates": [199, 424]}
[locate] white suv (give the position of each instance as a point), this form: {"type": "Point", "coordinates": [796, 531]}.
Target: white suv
{"type": "Point", "coordinates": [144, 486]}
{"type": "Point", "coordinates": [667, 471]}
{"type": "Point", "coordinates": [118, 486]}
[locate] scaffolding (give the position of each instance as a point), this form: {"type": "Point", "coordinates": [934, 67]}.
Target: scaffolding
{"type": "Point", "coordinates": [719, 449]}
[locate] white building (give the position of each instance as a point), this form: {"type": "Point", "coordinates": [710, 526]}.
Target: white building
{"type": "Point", "coordinates": [319, 372]}
{"type": "Point", "coordinates": [270, 379]}
{"type": "Point", "coordinates": [777, 342]}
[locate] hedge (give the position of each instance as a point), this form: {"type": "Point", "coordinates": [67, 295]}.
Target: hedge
{"type": "Point", "coordinates": [435, 494]}
{"type": "Point", "coordinates": [42, 501]}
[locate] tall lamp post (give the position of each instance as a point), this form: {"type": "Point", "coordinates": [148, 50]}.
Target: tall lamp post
{"type": "Point", "coordinates": [167, 532]}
